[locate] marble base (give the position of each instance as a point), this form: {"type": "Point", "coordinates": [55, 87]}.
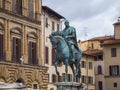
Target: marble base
{"type": "Point", "coordinates": [69, 86]}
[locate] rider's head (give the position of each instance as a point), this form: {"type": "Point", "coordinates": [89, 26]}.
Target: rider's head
{"type": "Point", "coordinates": [66, 23]}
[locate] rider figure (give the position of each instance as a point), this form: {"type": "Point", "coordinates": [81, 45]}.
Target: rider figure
{"type": "Point", "coordinates": [69, 34]}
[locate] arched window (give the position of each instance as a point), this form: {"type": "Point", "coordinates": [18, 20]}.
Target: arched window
{"type": "Point", "coordinates": [99, 69]}
{"type": "Point", "coordinates": [32, 48]}
{"type": "Point", "coordinates": [16, 35]}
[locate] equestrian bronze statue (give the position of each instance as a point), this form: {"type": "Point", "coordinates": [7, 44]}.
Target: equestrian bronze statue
{"type": "Point", "coordinates": [67, 50]}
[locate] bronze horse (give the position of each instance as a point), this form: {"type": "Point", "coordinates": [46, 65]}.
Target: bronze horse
{"type": "Point", "coordinates": [63, 55]}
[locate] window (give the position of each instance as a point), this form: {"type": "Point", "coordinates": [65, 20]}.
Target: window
{"type": "Point", "coordinates": [100, 85]}
{"type": "Point", "coordinates": [92, 46]}
{"type": "Point", "coordinates": [16, 50]}
{"type": "Point", "coordinates": [114, 84]}
{"type": "Point", "coordinates": [90, 65]}
{"type": "Point", "coordinates": [90, 80]}
{"type": "Point", "coordinates": [63, 76]}
{"type": "Point", "coordinates": [58, 28]}
{"type": "Point", "coordinates": [3, 2]}
{"type": "Point", "coordinates": [53, 25]}
{"type": "Point", "coordinates": [113, 52]}
{"type": "Point", "coordinates": [46, 55]}
{"type": "Point", "coordinates": [46, 22]}
{"type": "Point", "coordinates": [69, 77]}
{"type": "Point", "coordinates": [100, 57]}
{"type": "Point", "coordinates": [77, 79]}
{"type": "Point", "coordinates": [31, 9]}
{"type": "Point", "coordinates": [99, 70]}
{"type": "Point", "coordinates": [83, 79]}
{"type": "Point", "coordinates": [17, 6]}
{"type": "Point", "coordinates": [95, 58]}
{"type": "Point", "coordinates": [1, 47]}
{"type": "Point", "coordinates": [53, 55]}
{"type": "Point", "coordinates": [83, 63]}
{"type": "Point", "coordinates": [35, 86]}
{"type": "Point", "coordinates": [114, 70]}
{"type": "Point", "coordinates": [33, 53]}
{"type": "Point", "coordinates": [101, 42]}
{"type": "Point", "coordinates": [54, 78]}
{"type": "Point", "coordinates": [60, 79]}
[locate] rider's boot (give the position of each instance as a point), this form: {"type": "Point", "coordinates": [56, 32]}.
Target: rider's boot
{"type": "Point", "coordinates": [73, 54]}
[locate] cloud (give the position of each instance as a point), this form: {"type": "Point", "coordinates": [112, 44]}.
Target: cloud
{"type": "Point", "coordinates": [97, 15]}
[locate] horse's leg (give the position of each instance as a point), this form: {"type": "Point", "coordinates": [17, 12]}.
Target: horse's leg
{"type": "Point", "coordinates": [78, 70]}
{"type": "Point", "coordinates": [73, 70]}
{"type": "Point", "coordinates": [66, 70]}
{"type": "Point", "coordinates": [56, 63]}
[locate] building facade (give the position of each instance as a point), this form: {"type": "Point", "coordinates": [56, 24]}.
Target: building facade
{"type": "Point", "coordinates": [111, 49]}
{"type": "Point", "coordinates": [93, 48]}
{"type": "Point", "coordinates": [21, 43]}
{"type": "Point", "coordinates": [87, 71]}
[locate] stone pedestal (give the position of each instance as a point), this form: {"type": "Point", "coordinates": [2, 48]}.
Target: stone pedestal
{"type": "Point", "coordinates": [68, 86]}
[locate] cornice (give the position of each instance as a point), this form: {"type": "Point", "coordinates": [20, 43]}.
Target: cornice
{"type": "Point", "coordinates": [19, 19]}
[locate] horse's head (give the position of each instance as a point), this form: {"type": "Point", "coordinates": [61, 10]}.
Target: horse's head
{"type": "Point", "coordinates": [53, 41]}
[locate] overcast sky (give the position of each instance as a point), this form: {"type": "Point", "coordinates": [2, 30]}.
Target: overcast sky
{"type": "Point", "coordinates": [91, 18]}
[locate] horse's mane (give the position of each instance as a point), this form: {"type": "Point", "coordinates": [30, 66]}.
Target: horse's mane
{"type": "Point", "coordinates": [57, 34]}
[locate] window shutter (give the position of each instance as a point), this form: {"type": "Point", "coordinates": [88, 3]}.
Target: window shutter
{"type": "Point", "coordinates": [53, 25]}
{"type": "Point", "coordinates": [30, 53]}
{"type": "Point", "coordinates": [14, 49]}
{"type": "Point", "coordinates": [46, 24]}
{"type": "Point", "coordinates": [117, 70]}
{"type": "Point", "coordinates": [110, 70]}
{"type": "Point", "coordinates": [34, 53]}
{"type": "Point", "coordinates": [1, 46]}
{"type": "Point", "coordinates": [58, 28]}
{"type": "Point", "coordinates": [46, 50]}
{"type": "Point", "coordinates": [36, 60]}
{"type": "Point", "coordinates": [53, 55]}
{"type": "Point", "coordinates": [19, 49]}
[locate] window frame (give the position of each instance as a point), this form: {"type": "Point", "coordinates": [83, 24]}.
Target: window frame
{"type": "Point", "coordinates": [32, 49]}
{"type": "Point", "coordinates": [113, 52]}
{"type": "Point", "coordinates": [2, 47]}
{"type": "Point", "coordinates": [46, 55]}
{"type": "Point", "coordinates": [99, 69]}
{"type": "Point", "coordinates": [90, 65]}
{"type": "Point", "coordinates": [114, 70]}
{"type": "Point", "coordinates": [16, 49]}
